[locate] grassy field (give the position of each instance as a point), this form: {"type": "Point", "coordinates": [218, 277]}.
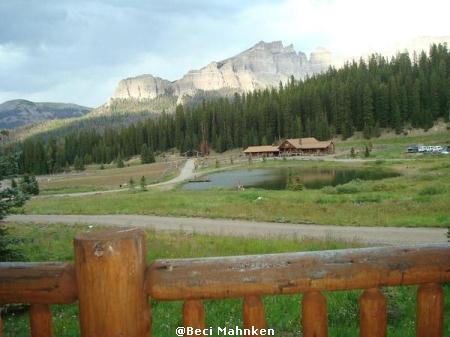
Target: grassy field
{"type": "Point", "coordinates": [54, 243]}
{"type": "Point", "coordinates": [96, 179]}
{"type": "Point", "coordinates": [391, 145]}
{"type": "Point", "coordinates": [418, 197]}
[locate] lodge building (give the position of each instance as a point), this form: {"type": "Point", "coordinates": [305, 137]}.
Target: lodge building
{"type": "Point", "coordinates": [292, 147]}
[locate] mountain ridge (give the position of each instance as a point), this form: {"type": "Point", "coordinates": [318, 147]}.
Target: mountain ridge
{"type": "Point", "coordinates": [263, 65]}
{"type": "Point", "coordinates": [21, 112]}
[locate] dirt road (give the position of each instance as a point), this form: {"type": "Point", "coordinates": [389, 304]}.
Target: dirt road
{"type": "Point", "coordinates": [242, 228]}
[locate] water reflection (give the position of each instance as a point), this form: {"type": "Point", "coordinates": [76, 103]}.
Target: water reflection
{"type": "Point", "coordinates": [285, 178]}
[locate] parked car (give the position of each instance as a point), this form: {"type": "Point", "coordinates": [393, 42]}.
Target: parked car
{"type": "Point", "coordinates": [412, 149]}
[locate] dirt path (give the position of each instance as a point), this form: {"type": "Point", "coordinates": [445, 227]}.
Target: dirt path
{"type": "Point", "coordinates": [242, 228]}
{"type": "Point", "coordinates": [186, 173]}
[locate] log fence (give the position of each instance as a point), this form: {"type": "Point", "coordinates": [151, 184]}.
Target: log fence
{"type": "Point", "coordinates": [112, 283]}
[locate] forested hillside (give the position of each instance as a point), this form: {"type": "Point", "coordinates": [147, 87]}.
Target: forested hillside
{"type": "Point", "coordinates": [361, 96]}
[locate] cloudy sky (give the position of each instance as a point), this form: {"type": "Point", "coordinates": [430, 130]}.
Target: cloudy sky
{"type": "Point", "coordinates": [77, 50]}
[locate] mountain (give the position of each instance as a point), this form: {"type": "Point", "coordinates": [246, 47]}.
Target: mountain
{"type": "Point", "coordinates": [17, 113]}
{"type": "Point", "coordinates": [263, 65]}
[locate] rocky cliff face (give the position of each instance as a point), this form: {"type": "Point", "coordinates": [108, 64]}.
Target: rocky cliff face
{"type": "Point", "coordinates": [264, 65]}
{"type": "Point", "coordinates": [20, 112]}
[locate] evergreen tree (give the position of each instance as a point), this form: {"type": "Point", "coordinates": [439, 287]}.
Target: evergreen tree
{"type": "Point", "coordinates": [28, 185]}
{"type": "Point", "coordinates": [131, 184]}
{"type": "Point", "coordinates": [119, 162]}
{"type": "Point", "coordinates": [78, 164]}
{"type": "Point", "coordinates": [361, 96]}
{"type": "Point", "coordinates": [146, 155]}
{"type": "Point", "coordinates": [143, 183]}
{"type": "Point", "coordinates": [367, 111]}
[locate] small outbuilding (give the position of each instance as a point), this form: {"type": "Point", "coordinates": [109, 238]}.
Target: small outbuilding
{"type": "Point", "coordinates": [262, 151]}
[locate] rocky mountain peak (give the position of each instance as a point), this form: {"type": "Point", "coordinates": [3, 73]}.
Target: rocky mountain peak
{"type": "Point", "coordinates": [261, 66]}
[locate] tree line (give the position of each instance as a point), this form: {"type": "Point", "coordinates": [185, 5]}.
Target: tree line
{"type": "Point", "coordinates": [363, 95]}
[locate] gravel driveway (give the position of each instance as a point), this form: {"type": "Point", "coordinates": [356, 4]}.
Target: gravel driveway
{"type": "Point", "coordinates": [243, 228]}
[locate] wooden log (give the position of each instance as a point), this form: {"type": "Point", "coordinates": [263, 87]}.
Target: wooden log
{"type": "Point", "coordinates": [430, 311]}
{"type": "Point", "coordinates": [314, 315]}
{"type": "Point", "coordinates": [274, 274]}
{"type": "Point", "coordinates": [1, 323]}
{"type": "Point", "coordinates": [253, 312]}
{"type": "Point", "coordinates": [41, 321]}
{"type": "Point", "coordinates": [110, 269]}
{"type": "Point", "coordinates": [373, 313]}
{"type": "Point", "coordinates": [193, 315]}
{"type": "Point", "coordinates": [45, 283]}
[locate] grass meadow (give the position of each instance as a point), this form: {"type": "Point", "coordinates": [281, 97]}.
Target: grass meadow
{"type": "Point", "coordinates": [54, 243]}
{"type": "Point", "coordinates": [96, 179]}
{"type": "Point", "coordinates": [419, 197]}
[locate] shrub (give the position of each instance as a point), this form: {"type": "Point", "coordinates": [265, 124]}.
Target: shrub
{"type": "Point", "coordinates": [143, 183]}
{"type": "Point", "coordinates": [347, 189]}
{"type": "Point", "coordinates": [294, 183]}
{"type": "Point", "coordinates": [29, 185]}
{"type": "Point", "coordinates": [366, 152]}
{"type": "Point", "coordinates": [329, 190]}
{"type": "Point", "coordinates": [430, 190]}
{"type": "Point", "coordinates": [367, 198]}
{"type": "Point", "coordinates": [119, 162]}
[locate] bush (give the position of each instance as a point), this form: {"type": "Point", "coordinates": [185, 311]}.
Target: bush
{"type": "Point", "coordinates": [430, 190]}
{"type": "Point", "coordinates": [143, 183]}
{"type": "Point", "coordinates": [9, 198]}
{"type": "Point", "coordinates": [119, 162]}
{"type": "Point", "coordinates": [347, 189]}
{"type": "Point", "coordinates": [329, 190]}
{"type": "Point", "coordinates": [29, 185]}
{"type": "Point", "coordinates": [367, 198]}
{"type": "Point", "coordinates": [294, 183]}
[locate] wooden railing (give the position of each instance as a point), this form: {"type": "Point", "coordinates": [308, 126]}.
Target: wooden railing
{"type": "Point", "coordinates": [112, 284]}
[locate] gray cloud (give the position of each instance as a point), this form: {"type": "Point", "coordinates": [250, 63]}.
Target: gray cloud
{"type": "Point", "coordinates": [77, 50]}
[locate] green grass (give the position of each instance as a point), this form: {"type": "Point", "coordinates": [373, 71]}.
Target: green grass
{"type": "Point", "coordinates": [392, 146]}
{"type": "Point", "coordinates": [95, 179]}
{"type": "Point", "coordinates": [418, 197]}
{"type": "Point", "coordinates": [54, 243]}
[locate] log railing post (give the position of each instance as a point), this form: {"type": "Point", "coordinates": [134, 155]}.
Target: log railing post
{"type": "Point", "coordinates": [193, 315]}
{"type": "Point", "coordinates": [254, 313]}
{"type": "Point", "coordinates": [1, 323]}
{"type": "Point", "coordinates": [373, 313]}
{"type": "Point", "coordinates": [41, 321]}
{"type": "Point", "coordinates": [110, 269]}
{"type": "Point", "coordinates": [430, 311]}
{"type": "Point", "coordinates": [314, 315]}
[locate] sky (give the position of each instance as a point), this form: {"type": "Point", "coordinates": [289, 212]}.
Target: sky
{"type": "Point", "coordinates": [77, 50]}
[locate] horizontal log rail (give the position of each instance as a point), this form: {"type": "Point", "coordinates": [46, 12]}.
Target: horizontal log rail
{"type": "Point", "coordinates": [275, 274]}
{"type": "Point", "coordinates": [111, 282]}
{"type": "Point", "coordinates": [40, 283]}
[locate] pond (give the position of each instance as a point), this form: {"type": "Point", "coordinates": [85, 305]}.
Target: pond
{"type": "Point", "coordinates": [279, 178]}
